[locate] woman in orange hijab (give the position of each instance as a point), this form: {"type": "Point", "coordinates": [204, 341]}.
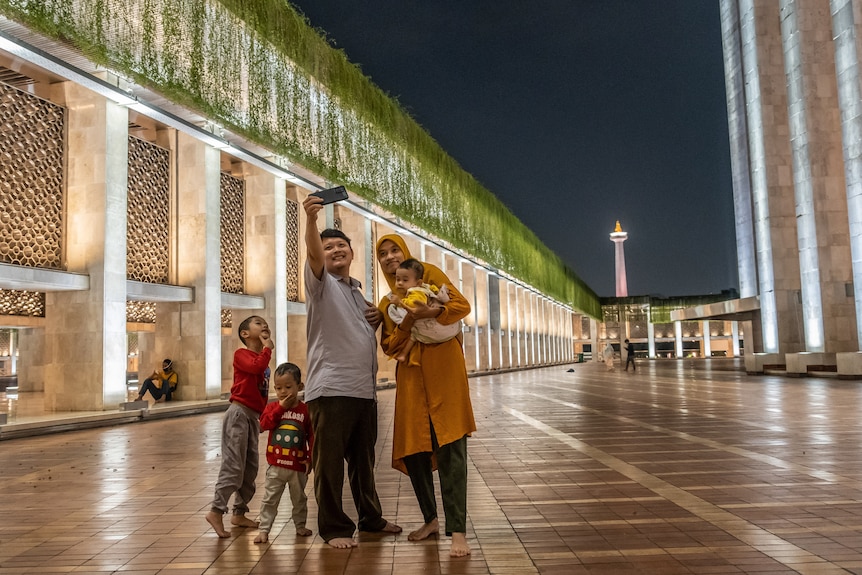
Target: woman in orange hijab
{"type": "Point", "coordinates": [433, 412]}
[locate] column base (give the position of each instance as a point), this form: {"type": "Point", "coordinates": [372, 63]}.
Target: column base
{"type": "Point", "coordinates": [758, 363]}
{"type": "Point", "coordinates": [849, 365]}
{"type": "Point", "coordinates": [802, 363]}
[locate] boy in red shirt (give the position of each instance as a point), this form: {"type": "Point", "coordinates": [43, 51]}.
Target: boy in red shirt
{"type": "Point", "coordinates": [241, 427]}
{"type": "Point", "coordinates": [288, 451]}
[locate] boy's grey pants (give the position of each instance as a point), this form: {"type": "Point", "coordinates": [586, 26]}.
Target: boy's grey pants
{"type": "Point", "coordinates": [240, 433]}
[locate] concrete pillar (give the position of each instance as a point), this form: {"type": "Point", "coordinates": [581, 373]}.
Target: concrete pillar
{"type": "Point", "coordinates": [266, 249]}
{"type": "Point", "coordinates": [739, 158]}
{"type": "Point", "coordinates": [846, 28]}
{"type": "Point", "coordinates": [707, 341]}
{"type": "Point", "coordinates": [771, 178]}
{"type": "Point", "coordinates": [677, 338]}
{"type": "Point", "coordinates": [198, 324]}
{"type": "Point", "coordinates": [85, 366]}
{"type": "Point", "coordinates": [818, 175]}
{"type": "Point", "coordinates": [483, 325]}
{"type": "Point", "coordinates": [650, 335]}
{"type": "Point", "coordinates": [734, 335]}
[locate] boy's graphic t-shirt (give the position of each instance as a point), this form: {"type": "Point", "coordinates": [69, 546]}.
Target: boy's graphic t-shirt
{"type": "Point", "coordinates": [290, 436]}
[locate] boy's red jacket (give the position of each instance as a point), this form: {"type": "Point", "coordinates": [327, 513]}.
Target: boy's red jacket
{"type": "Point", "coordinates": [251, 378]}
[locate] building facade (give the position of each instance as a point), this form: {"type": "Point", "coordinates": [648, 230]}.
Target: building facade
{"type": "Point", "coordinates": [794, 104]}
{"type": "Point", "coordinates": [134, 227]}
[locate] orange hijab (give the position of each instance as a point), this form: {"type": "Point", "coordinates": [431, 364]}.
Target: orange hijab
{"type": "Point", "coordinates": [398, 241]}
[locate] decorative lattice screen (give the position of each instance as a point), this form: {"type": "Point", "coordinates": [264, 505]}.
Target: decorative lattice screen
{"type": "Point", "coordinates": [148, 230]}
{"type": "Point", "coordinates": [232, 234]}
{"type": "Point", "coordinates": [292, 241]}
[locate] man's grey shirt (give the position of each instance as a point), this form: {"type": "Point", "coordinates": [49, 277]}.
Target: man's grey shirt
{"type": "Point", "coordinates": [342, 346]}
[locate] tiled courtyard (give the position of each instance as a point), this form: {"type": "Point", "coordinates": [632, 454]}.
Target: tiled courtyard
{"type": "Point", "coordinates": [683, 467]}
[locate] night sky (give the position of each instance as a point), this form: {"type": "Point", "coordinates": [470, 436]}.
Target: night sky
{"type": "Point", "coordinates": [575, 113]}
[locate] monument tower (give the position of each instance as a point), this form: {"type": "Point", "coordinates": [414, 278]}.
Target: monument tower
{"type": "Point", "coordinates": [618, 236]}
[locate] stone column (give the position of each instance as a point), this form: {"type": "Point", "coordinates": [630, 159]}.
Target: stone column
{"type": "Point", "coordinates": [739, 160]}
{"type": "Point", "coordinates": [707, 341]}
{"type": "Point", "coordinates": [771, 181]}
{"type": "Point", "coordinates": [197, 325]}
{"type": "Point", "coordinates": [483, 324]}
{"type": "Point", "coordinates": [265, 251]}
{"type": "Point", "coordinates": [847, 32]}
{"type": "Point", "coordinates": [85, 363]}
{"type": "Point", "coordinates": [650, 335]}
{"type": "Point", "coordinates": [677, 338]}
{"type": "Point", "coordinates": [734, 335]}
{"type": "Point", "coordinates": [818, 174]}
{"type": "Point", "coordinates": [467, 278]}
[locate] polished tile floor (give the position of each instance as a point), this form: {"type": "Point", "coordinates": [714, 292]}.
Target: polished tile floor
{"type": "Point", "coordinates": [685, 467]}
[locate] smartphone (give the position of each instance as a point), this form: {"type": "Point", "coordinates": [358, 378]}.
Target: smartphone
{"type": "Point", "coordinates": [331, 195]}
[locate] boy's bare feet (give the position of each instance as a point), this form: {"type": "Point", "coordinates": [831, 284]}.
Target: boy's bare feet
{"type": "Point", "coordinates": [303, 531]}
{"type": "Point", "coordinates": [424, 532]}
{"type": "Point", "coordinates": [262, 537]}
{"type": "Point", "coordinates": [342, 542]}
{"type": "Point", "coordinates": [243, 521]}
{"type": "Point", "coordinates": [214, 518]}
{"type": "Point", "coordinates": [459, 545]}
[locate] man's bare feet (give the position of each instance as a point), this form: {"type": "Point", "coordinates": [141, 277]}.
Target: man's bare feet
{"type": "Point", "coordinates": [214, 518]}
{"type": "Point", "coordinates": [459, 545]}
{"type": "Point", "coordinates": [342, 542]}
{"type": "Point", "coordinates": [243, 521]}
{"type": "Point", "coordinates": [390, 528]}
{"type": "Point", "coordinates": [262, 537]}
{"type": "Point", "coordinates": [303, 531]}
{"type": "Point", "coordinates": [424, 532]}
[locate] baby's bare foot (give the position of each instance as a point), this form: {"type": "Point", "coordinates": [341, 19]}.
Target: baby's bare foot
{"type": "Point", "coordinates": [303, 531]}
{"type": "Point", "coordinates": [342, 543]}
{"type": "Point", "coordinates": [243, 521]}
{"type": "Point", "coordinates": [459, 545]}
{"type": "Point", "coordinates": [424, 532]}
{"type": "Point", "coordinates": [262, 537]}
{"type": "Point", "coordinates": [214, 518]}
{"type": "Point", "coordinates": [401, 358]}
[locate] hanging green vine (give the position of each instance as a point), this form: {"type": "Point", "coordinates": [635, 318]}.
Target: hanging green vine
{"type": "Point", "coordinates": [258, 67]}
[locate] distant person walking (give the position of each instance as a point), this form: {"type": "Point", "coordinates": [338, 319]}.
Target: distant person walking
{"type": "Point", "coordinates": [630, 355]}
{"type": "Point", "coordinates": [608, 356]}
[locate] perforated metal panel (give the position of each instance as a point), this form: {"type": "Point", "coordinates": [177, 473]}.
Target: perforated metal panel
{"type": "Point", "coordinates": [23, 303]}
{"type": "Point", "coordinates": [232, 234]}
{"type": "Point", "coordinates": [141, 311]}
{"type": "Point", "coordinates": [292, 240]}
{"type": "Point", "coordinates": [32, 134]}
{"type": "Point", "coordinates": [148, 230]}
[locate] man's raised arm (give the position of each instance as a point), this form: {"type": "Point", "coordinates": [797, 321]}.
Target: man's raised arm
{"type": "Point", "coordinates": [312, 206]}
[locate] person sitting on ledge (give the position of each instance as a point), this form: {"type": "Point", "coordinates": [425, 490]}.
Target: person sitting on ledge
{"type": "Point", "coordinates": [161, 384]}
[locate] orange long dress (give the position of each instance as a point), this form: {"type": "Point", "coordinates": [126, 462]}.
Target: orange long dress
{"type": "Point", "coordinates": [437, 389]}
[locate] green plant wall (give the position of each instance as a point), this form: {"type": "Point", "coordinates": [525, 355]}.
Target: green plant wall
{"type": "Point", "coordinates": [257, 67]}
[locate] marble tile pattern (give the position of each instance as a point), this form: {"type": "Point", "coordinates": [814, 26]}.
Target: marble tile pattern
{"type": "Point", "coordinates": [684, 467]}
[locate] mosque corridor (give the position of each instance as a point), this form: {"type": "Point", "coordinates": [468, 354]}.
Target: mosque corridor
{"type": "Point", "coordinates": [685, 467]}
